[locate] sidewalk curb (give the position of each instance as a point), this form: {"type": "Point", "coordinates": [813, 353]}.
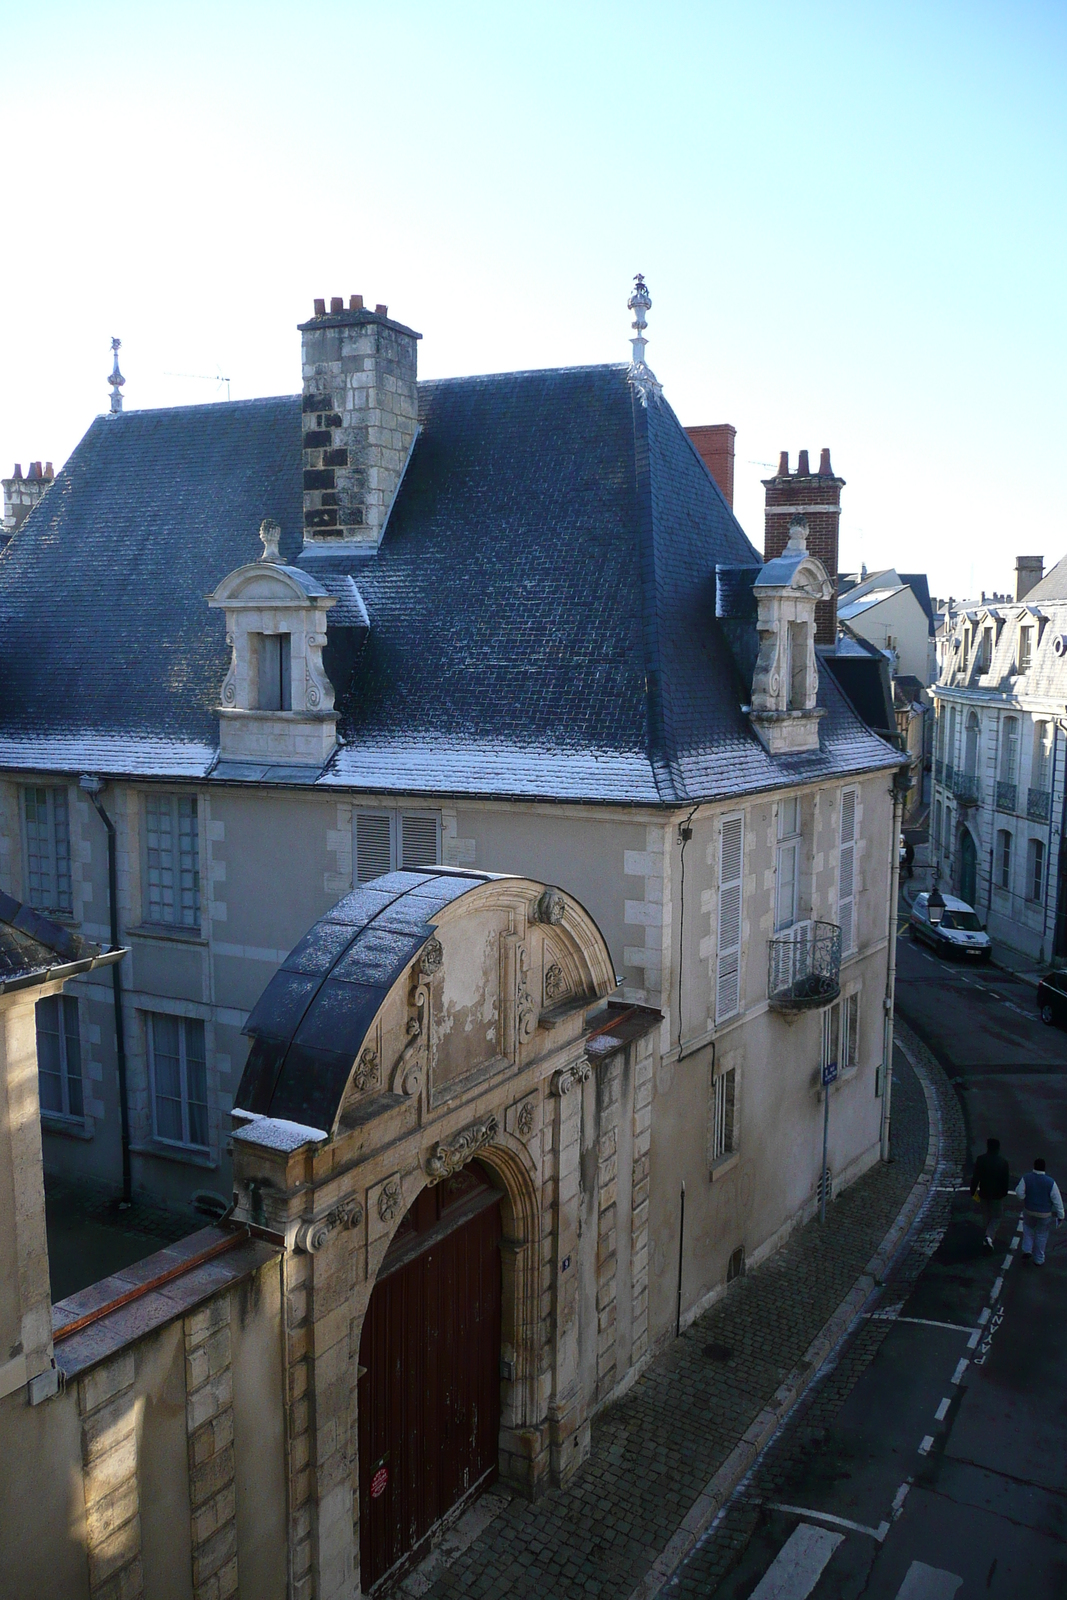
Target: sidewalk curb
{"type": "Point", "coordinates": [718, 1490]}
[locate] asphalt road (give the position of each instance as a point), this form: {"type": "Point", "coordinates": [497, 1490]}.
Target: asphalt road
{"type": "Point", "coordinates": [943, 1475]}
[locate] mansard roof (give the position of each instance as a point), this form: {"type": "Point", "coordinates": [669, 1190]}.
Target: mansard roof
{"type": "Point", "coordinates": [541, 609]}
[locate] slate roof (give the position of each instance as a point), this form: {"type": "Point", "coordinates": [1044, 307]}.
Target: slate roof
{"type": "Point", "coordinates": [309, 1024]}
{"type": "Point", "coordinates": [541, 610]}
{"type": "Point", "coordinates": [34, 949]}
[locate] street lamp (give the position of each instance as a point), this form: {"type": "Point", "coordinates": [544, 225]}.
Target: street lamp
{"type": "Point", "coordinates": [935, 906]}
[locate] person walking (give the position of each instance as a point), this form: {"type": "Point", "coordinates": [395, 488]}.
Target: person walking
{"type": "Point", "coordinates": [1040, 1197]}
{"type": "Point", "coordinates": [989, 1186]}
{"type": "Point", "coordinates": [909, 858]}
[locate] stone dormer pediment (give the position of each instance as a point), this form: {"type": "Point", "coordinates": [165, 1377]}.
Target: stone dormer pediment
{"type": "Point", "coordinates": [276, 703]}
{"type": "Point", "coordinates": [785, 683]}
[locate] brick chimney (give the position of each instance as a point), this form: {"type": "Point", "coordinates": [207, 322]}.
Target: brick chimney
{"type": "Point", "coordinates": [360, 416]}
{"type": "Point", "coordinates": [21, 494]}
{"type": "Point", "coordinates": [1028, 572]}
{"type": "Point", "coordinates": [715, 446]}
{"type": "Point", "coordinates": [816, 496]}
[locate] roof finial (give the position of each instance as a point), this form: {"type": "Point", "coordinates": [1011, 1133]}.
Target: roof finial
{"type": "Point", "coordinates": [639, 302]}
{"type": "Point", "coordinates": [798, 534]}
{"type": "Point", "coordinates": [116, 379]}
{"type": "Point", "coordinates": [270, 532]}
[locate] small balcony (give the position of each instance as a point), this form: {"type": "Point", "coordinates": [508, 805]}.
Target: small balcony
{"type": "Point", "coordinates": [950, 773]}
{"type": "Point", "coordinates": [1007, 796]}
{"type": "Point", "coordinates": [965, 788]}
{"type": "Point", "coordinates": [804, 967]}
{"type": "Point", "coordinates": [1039, 804]}
{"type": "Point", "coordinates": [939, 771]}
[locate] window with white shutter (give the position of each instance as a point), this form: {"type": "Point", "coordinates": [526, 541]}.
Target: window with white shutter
{"type": "Point", "coordinates": [731, 860]}
{"type": "Point", "coordinates": [846, 872]}
{"type": "Point", "coordinates": [386, 840]}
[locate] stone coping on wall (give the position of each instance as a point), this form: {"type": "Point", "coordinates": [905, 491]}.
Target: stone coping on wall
{"type": "Point", "coordinates": [153, 1309]}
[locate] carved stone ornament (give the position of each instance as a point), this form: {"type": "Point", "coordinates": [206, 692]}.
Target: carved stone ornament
{"type": "Point", "coordinates": [444, 1159]}
{"type": "Point", "coordinates": [407, 1074]}
{"type": "Point", "coordinates": [270, 532]}
{"type": "Point", "coordinates": [311, 1236]}
{"type": "Point", "coordinates": [572, 1077]}
{"type": "Point", "coordinates": [389, 1201]}
{"type": "Point", "coordinates": [229, 687]}
{"type": "Point", "coordinates": [555, 982]}
{"type": "Point", "coordinates": [367, 1073]}
{"type": "Point", "coordinates": [524, 1122]}
{"type": "Point", "coordinates": [549, 907]}
{"type": "Point", "coordinates": [527, 1012]}
{"type": "Point", "coordinates": [432, 958]}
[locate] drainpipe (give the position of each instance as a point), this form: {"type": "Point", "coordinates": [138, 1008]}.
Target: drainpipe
{"type": "Point", "coordinates": [92, 785]}
{"type": "Point", "coordinates": [899, 791]}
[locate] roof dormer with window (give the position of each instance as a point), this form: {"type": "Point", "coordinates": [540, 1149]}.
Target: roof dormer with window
{"type": "Point", "coordinates": [786, 680]}
{"type": "Point", "coordinates": [277, 702]}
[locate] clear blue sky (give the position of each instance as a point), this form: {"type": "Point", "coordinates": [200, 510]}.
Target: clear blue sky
{"type": "Point", "coordinates": [851, 218]}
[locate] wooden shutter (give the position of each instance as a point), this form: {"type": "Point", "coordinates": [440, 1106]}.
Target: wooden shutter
{"type": "Point", "coordinates": [419, 839]}
{"type": "Point", "coordinates": [846, 873]}
{"type": "Point", "coordinates": [374, 844]}
{"type": "Point", "coordinates": [731, 860]}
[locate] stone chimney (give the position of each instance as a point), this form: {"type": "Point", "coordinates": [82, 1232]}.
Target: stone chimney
{"type": "Point", "coordinates": [21, 494]}
{"type": "Point", "coordinates": [360, 417]}
{"type": "Point", "coordinates": [715, 447]}
{"type": "Point", "coordinates": [816, 496]}
{"type": "Point", "coordinates": [1028, 572]}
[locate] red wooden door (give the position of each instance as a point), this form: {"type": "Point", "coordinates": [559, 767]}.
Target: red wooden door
{"type": "Point", "coordinates": [429, 1395]}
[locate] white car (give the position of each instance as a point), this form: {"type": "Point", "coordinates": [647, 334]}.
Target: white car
{"type": "Point", "coordinates": [959, 933]}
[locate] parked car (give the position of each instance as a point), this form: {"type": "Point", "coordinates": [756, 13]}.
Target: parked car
{"type": "Point", "coordinates": [959, 933]}
{"type": "Point", "coordinates": [1052, 998]}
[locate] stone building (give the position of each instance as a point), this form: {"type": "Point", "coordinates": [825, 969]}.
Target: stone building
{"type": "Point", "coordinates": [495, 625]}
{"type": "Point", "coordinates": [999, 762]}
{"type": "Point", "coordinates": [21, 494]}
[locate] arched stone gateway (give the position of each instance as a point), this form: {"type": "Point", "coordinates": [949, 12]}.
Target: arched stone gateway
{"type": "Point", "coordinates": [430, 1021]}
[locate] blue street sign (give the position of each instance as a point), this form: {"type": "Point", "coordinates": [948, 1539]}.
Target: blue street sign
{"type": "Point", "coordinates": [829, 1073]}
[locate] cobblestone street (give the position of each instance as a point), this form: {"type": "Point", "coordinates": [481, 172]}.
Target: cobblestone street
{"type": "Point", "coordinates": [654, 1452]}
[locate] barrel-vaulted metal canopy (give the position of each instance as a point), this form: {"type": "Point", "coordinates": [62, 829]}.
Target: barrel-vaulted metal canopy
{"type": "Point", "coordinates": [309, 1024]}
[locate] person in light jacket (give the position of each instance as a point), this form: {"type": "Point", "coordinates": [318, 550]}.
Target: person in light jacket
{"type": "Point", "coordinates": [1041, 1198]}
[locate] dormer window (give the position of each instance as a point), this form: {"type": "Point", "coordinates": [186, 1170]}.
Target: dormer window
{"type": "Point", "coordinates": [1026, 648]}
{"type": "Point", "coordinates": [785, 683]}
{"type": "Point", "coordinates": [275, 671]}
{"type": "Point", "coordinates": [798, 666]}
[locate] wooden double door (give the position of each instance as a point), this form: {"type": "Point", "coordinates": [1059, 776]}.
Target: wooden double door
{"type": "Point", "coordinates": [429, 1388]}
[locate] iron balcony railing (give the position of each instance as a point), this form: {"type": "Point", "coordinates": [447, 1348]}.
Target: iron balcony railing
{"type": "Point", "coordinates": [965, 788]}
{"type": "Point", "coordinates": [949, 774]}
{"type": "Point", "coordinates": [939, 771]}
{"type": "Point", "coordinates": [1007, 795]}
{"type": "Point", "coordinates": [804, 967]}
{"type": "Point", "coordinates": [1038, 804]}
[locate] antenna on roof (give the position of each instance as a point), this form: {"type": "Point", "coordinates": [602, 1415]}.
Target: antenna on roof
{"type": "Point", "coordinates": [116, 379]}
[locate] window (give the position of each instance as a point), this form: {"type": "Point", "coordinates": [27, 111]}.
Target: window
{"type": "Point", "coordinates": [172, 860]}
{"type": "Point", "coordinates": [970, 746]}
{"type": "Point", "coordinates": [788, 865]}
{"type": "Point", "coordinates": [938, 824]}
{"type": "Point", "coordinates": [1026, 648]}
{"type": "Point", "coordinates": [274, 672]}
{"type": "Point", "coordinates": [387, 840]}
{"type": "Point", "coordinates": [722, 1115]}
{"type": "Point", "coordinates": [846, 872]}
{"type": "Point", "coordinates": [965, 640]}
{"type": "Point", "coordinates": [798, 665]}
{"type": "Point", "coordinates": [48, 850]}
{"type": "Point", "coordinates": [179, 1079]}
{"type": "Point", "coordinates": [1009, 754]}
{"type": "Point", "coordinates": [951, 757]}
{"type": "Point", "coordinates": [1039, 777]}
{"type": "Point", "coordinates": [1003, 859]}
{"type": "Point", "coordinates": [731, 860]}
{"type": "Point", "coordinates": [841, 1034]}
{"type": "Point", "coordinates": [985, 650]}
{"type": "Point", "coordinates": [59, 1059]}
{"type": "Point", "coordinates": [1035, 870]}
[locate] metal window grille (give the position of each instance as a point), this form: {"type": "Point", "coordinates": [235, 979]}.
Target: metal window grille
{"type": "Point", "coordinates": [47, 821]}
{"type": "Point", "coordinates": [59, 1066]}
{"type": "Point", "coordinates": [179, 1079]}
{"type": "Point", "coordinates": [172, 860]}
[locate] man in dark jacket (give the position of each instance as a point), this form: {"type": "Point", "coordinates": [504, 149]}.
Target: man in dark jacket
{"type": "Point", "coordinates": [989, 1185]}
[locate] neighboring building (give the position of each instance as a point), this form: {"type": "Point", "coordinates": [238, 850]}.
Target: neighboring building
{"type": "Point", "coordinates": [999, 760]}
{"type": "Point", "coordinates": [884, 609]}
{"type": "Point", "coordinates": [22, 494]}
{"type": "Point", "coordinates": [508, 624]}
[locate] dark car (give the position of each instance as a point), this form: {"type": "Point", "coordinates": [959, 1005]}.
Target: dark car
{"type": "Point", "coordinates": [960, 932]}
{"type": "Point", "coordinates": [1052, 998]}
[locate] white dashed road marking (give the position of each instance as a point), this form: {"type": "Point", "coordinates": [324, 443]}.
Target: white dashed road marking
{"type": "Point", "coordinates": [878, 1533]}
{"type": "Point", "coordinates": [960, 1370]}
{"type": "Point", "coordinates": [942, 1411]}
{"type": "Point", "coordinates": [927, 1445]}
{"type": "Point", "coordinates": [799, 1564]}
{"type": "Point", "coordinates": [928, 1583]}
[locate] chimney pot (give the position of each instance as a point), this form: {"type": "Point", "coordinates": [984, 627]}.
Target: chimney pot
{"type": "Point", "coordinates": [49, 471]}
{"type": "Point", "coordinates": [783, 464]}
{"type": "Point", "coordinates": [18, 469]}
{"type": "Point", "coordinates": [320, 308]}
{"type": "Point", "coordinates": [35, 469]}
{"type": "Point", "coordinates": [355, 302]}
{"type": "Point", "coordinates": [381, 311]}
{"type": "Point", "coordinates": [825, 469]}
{"type": "Point", "coordinates": [337, 303]}
{"type": "Point", "coordinates": [803, 470]}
